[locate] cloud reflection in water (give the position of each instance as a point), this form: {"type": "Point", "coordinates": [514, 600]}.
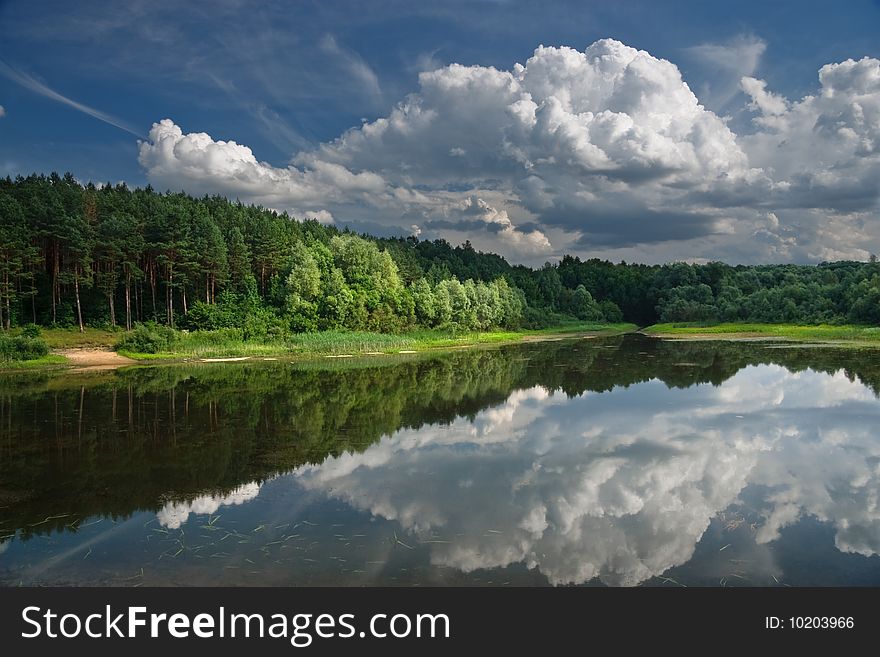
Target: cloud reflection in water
{"type": "Point", "coordinates": [622, 485]}
{"type": "Point", "coordinates": [174, 514]}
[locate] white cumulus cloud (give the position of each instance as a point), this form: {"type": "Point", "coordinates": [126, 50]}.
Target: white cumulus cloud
{"type": "Point", "coordinates": [605, 151]}
{"type": "Point", "coordinates": [200, 164]}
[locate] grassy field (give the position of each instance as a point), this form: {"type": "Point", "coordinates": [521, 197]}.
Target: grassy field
{"type": "Point", "coordinates": [329, 343]}
{"type": "Point", "coordinates": [52, 360]}
{"type": "Point", "coordinates": [92, 338]}
{"type": "Point", "coordinates": [819, 332]}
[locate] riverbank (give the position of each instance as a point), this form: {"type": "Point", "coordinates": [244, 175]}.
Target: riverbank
{"type": "Point", "coordinates": [94, 358]}
{"type": "Point", "coordinates": [205, 345]}
{"type": "Point", "coordinates": [95, 348]}
{"type": "Point", "coordinates": [92, 348]}
{"type": "Point", "coordinates": [846, 333]}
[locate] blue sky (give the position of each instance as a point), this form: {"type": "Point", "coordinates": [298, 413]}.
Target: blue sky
{"type": "Point", "coordinates": [79, 85]}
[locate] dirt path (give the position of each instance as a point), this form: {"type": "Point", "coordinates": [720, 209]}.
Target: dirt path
{"type": "Point", "coordinates": [95, 358]}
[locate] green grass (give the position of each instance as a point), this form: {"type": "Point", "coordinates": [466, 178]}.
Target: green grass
{"type": "Point", "coordinates": [58, 338]}
{"type": "Point", "coordinates": [844, 332]}
{"type": "Point", "coordinates": [51, 360]}
{"type": "Point", "coordinates": [207, 344]}
{"type": "Point", "coordinates": [201, 345]}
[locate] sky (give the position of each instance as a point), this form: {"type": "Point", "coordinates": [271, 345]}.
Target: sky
{"type": "Point", "coordinates": [747, 132]}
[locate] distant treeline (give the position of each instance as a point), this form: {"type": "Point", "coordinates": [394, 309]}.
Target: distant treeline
{"type": "Point", "coordinates": [110, 255]}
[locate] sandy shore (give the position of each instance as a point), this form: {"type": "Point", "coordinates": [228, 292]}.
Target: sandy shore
{"type": "Point", "coordinates": [95, 358]}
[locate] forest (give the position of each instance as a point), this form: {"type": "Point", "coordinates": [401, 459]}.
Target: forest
{"type": "Point", "coordinates": [74, 255]}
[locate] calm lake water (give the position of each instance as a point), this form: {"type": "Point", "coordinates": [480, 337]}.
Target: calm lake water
{"type": "Point", "coordinates": [621, 461]}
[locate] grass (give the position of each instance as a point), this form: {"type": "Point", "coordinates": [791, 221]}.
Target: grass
{"type": "Point", "coordinates": [50, 360]}
{"type": "Point", "coordinates": [62, 338]}
{"type": "Point", "coordinates": [830, 332]}
{"type": "Point", "coordinates": [207, 344]}
{"type": "Point", "coordinates": [71, 338]}
{"type": "Point", "coordinates": [200, 345]}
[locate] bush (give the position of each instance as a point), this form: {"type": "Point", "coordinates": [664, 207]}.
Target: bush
{"type": "Point", "coordinates": [217, 338]}
{"type": "Point", "coordinates": [65, 316]}
{"type": "Point", "coordinates": [533, 318]}
{"type": "Point", "coordinates": [610, 312]}
{"type": "Point", "coordinates": [31, 331]}
{"type": "Point", "coordinates": [147, 338]}
{"type": "Point", "coordinates": [264, 324]}
{"type": "Point", "coordinates": [26, 346]}
{"type": "Point", "coordinates": [208, 317]}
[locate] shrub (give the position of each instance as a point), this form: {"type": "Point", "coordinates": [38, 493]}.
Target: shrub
{"type": "Point", "coordinates": [147, 338]}
{"type": "Point", "coordinates": [217, 338]}
{"type": "Point", "coordinates": [208, 317]}
{"type": "Point", "coordinates": [533, 318]}
{"type": "Point", "coordinates": [22, 347]}
{"type": "Point", "coordinates": [610, 311]}
{"type": "Point", "coordinates": [31, 331]}
{"type": "Point", "coordinates": [263, 324]}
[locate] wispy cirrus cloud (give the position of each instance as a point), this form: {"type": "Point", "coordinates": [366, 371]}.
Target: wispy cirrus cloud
{"type": "Point", "coordinates": [355, 65]}
{"type": "Point", "coordinates": [282, 134]}
{"type": "Point", "coordinates": [726, 64]}
{"type": "Point", "coordinates": [32, 84]}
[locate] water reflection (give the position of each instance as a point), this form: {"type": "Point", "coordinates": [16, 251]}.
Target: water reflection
{"type": "Point", "coordinates": [622, 486]}
{"type": "Point", "coordinates": [621, 461]}
{"type": "Point", "coordinates": [174, 514]}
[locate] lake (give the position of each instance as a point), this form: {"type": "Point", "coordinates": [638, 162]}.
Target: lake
{"type": "Point", "coordinates": [616, 461]}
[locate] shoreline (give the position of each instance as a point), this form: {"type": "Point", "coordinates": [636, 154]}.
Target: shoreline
{"type": "Point", "coordinates": [67, 355]}
{"type": "Point", "coordinates": [836, 335]}
{"type": "Point", "coordinates": [94, 357]}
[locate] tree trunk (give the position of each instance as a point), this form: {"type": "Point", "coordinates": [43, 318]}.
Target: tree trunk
{"type": "Point", "coordinates": [183, 295]}
{"type": "Point", "coordinates": [112, 309]}
{"type": "Point", "coordinates": [7, 323]}
{"type": "Point", "coordinates": [55, 267]}
{"type": "Point", "coordinates": [170, 295]}
{"type": "Point", "coordinates": [153, 287]}
{"type": "Point", "coordinates": [127, 301]}
{"type": "Point", "coordinates": [79, 315]}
